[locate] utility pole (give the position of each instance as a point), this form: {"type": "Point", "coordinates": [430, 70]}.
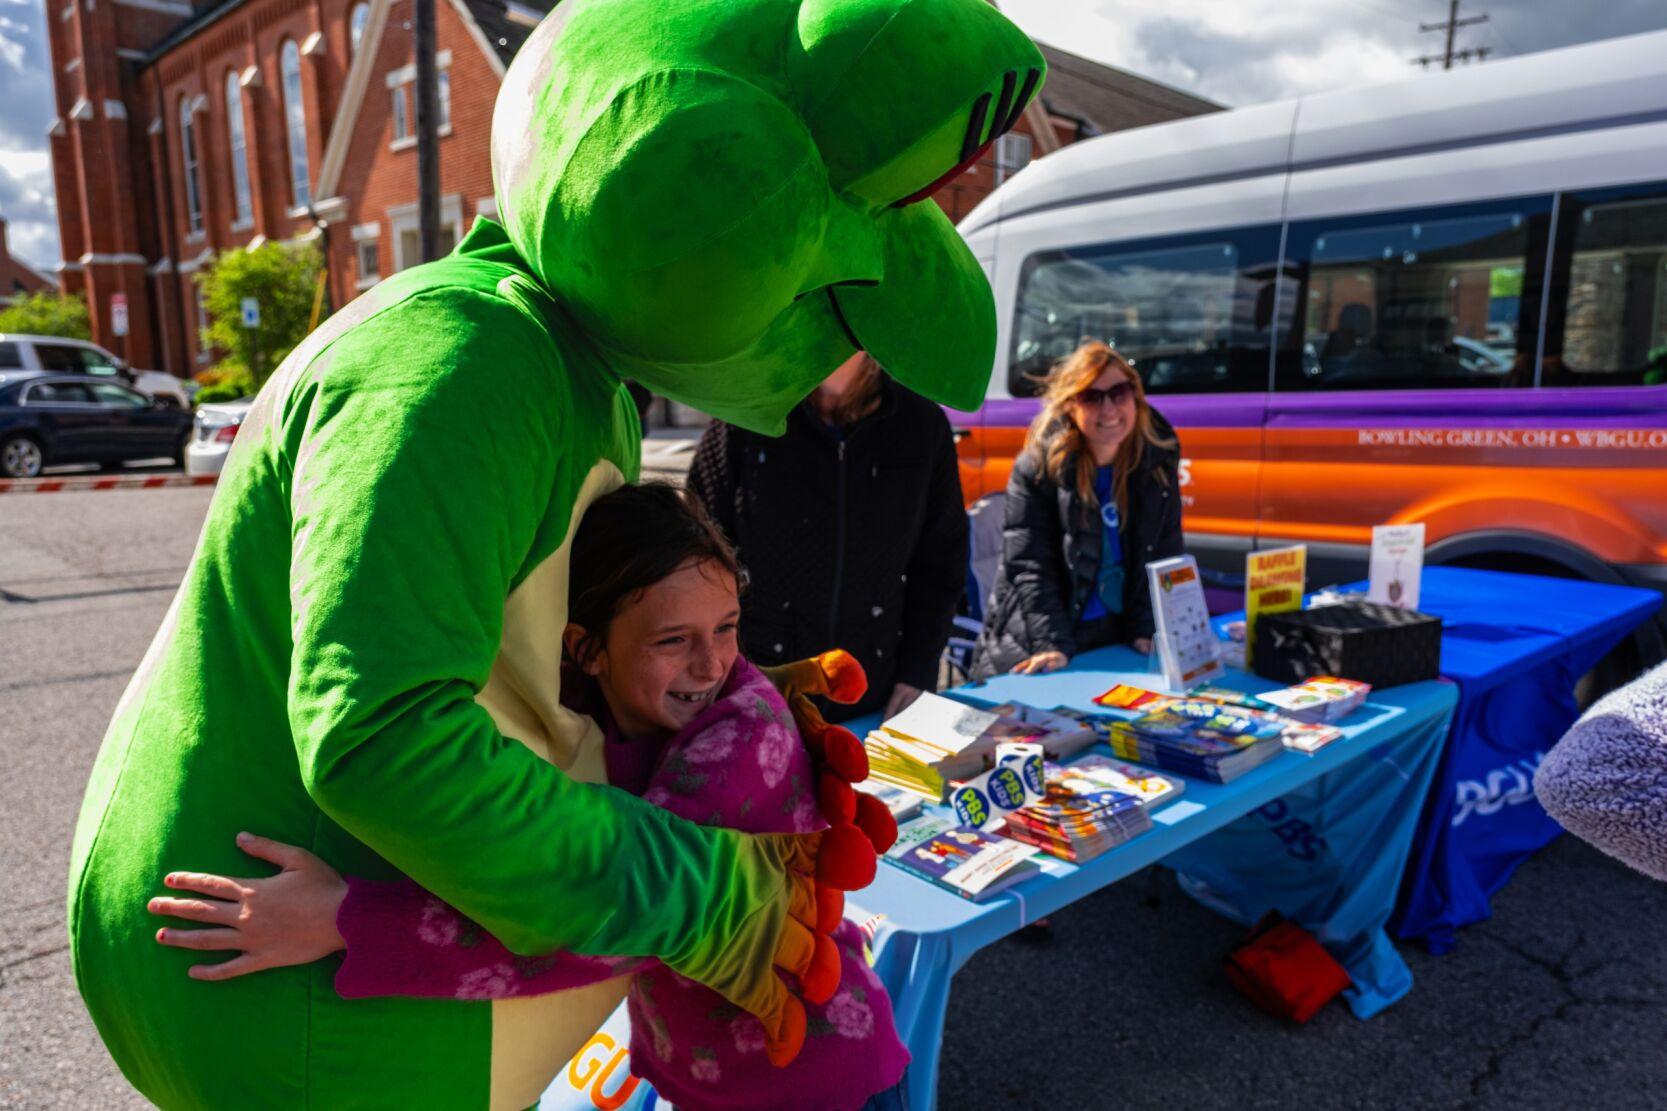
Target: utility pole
{"type": "Point", "coordinates": [1452, 24]}
{"type": "Point", "coordinates": [428, 141]}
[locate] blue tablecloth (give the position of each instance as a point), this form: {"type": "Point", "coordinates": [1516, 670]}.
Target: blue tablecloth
{"type": "Point", "coordinates": [1321, 838]}
{"type": "Point", "coordinates": [1515, 645]}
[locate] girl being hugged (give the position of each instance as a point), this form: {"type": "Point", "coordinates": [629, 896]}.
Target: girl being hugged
{"type": "Point", "coordinates": [1094, 497]}
{"type": "Point", "coordinates": [692, 727]}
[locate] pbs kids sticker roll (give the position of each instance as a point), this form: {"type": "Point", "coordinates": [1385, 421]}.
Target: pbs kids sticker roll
{"type": "Point", "coordinates": [1014, 782]}
{"type": "Point", "coordinates": [1027, 758]}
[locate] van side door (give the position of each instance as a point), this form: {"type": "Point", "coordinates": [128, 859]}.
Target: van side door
{"type": "Point", "coordinates": [1403, 375]}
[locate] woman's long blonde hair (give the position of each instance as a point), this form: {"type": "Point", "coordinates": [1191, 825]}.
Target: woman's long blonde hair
{"type": "Point", "coordinates": [1055, 439]}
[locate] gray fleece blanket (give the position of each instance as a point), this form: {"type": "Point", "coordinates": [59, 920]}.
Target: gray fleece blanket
{"type": "Point", "coordinates": [1606, 780]}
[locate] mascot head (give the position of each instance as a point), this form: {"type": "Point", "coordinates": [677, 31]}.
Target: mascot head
{"type": "Point", "coordinates": [730, 196]}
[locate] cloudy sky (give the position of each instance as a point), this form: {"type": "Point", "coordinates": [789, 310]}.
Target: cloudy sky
{"type": "Point", "coordinates": [1234, 51]}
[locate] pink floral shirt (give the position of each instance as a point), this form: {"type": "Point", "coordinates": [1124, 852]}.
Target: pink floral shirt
{"type": "Point", "coordinates": [739, 764]}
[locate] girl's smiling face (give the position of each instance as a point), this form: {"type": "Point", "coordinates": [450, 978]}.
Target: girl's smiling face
{"type": "Point", "coordinates": [667, 651]}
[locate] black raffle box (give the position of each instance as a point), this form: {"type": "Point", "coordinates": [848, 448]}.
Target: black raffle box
{"type": "Point", "coordinates": [1365, 641]}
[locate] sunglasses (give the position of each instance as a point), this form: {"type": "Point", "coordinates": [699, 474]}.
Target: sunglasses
{"type": "Point", "coordinates": [1093, 398]}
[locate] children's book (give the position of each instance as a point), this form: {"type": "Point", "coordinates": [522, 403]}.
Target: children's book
{"type": "Point", "coordinates": [1309, 737]}
{"type": "Point", "coordinates": [1323, 699]}
{"type": "Point", "coordinates": [973, 865]}
{"type": "Point", "coordinates": [902, 804]}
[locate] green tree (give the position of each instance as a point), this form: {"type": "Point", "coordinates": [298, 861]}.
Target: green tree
{"type": "Point", "coordinates": [48, 314]}
{"type": "Point", "coordinates": [283, 281]}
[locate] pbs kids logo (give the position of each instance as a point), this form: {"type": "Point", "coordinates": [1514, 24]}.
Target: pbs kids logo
{"type": "Point", "coordinates": [1002, 790]}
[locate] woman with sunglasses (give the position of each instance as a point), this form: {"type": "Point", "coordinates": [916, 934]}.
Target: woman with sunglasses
{"type": "Point", "coordinates": [1094, 497]}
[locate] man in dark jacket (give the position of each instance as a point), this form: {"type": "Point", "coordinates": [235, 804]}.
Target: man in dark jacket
{"type": "Point", "coordinates": [852, 530]}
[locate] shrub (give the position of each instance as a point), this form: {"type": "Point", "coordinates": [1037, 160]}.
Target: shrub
{"type": "Point", "coordinates": [283, 280]}
{"type": "Point", "coordinates": [48, 314]}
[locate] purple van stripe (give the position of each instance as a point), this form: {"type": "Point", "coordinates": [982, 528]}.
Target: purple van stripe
{"type": "Point", "coordinates": [1565, 407]}
{"type": "Point", "coordinates": [1642, 407]}
{"type": "Point", "coordinates": [1220, 410]}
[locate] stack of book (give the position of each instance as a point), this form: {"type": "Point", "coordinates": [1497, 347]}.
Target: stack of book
{"type": "Point", "coordinates": [973, 865]}
{"type": "Point", "coordinates": [1090, 807]}
{"type": "Point", "coordinates": [1200, 738]}
{"type": "Point", "coordinates": [937, 740]}
{"type": "Point", "coordinates": [1321, 700]}
{"type": "Point", "coordinates": [933, 741]}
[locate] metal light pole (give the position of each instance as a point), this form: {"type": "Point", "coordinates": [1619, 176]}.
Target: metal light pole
{"type": "Point", "coordinates": [428, 148]}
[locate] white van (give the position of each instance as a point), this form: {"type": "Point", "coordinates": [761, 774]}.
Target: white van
{"type": "Point", "coordinates": [1442, 300]}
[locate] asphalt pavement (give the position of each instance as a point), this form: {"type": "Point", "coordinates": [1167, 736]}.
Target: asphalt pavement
{"type": "Point", "coordinates": [1558, 1001]}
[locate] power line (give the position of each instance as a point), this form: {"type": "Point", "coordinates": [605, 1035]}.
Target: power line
{"type": "Point", "coordinates": [1452, 24]}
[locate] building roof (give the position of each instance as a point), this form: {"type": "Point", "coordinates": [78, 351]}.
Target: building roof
{"type": "Point", "coordinates": [507, 24]}
{"type": "Point", "coordinates": [1108, 99]}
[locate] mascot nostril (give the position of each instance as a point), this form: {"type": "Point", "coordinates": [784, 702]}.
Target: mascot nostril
{"type": "Point", "coordinates": [364, 658]}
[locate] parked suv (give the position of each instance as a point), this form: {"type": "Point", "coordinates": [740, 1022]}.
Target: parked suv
{"type": "Point", "coordinates": [78, 356]}
{"type": "Point", "coordinates": [46, 419]}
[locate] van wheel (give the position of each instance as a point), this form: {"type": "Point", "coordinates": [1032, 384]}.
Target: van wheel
{"type": "Point", "coordinates": [21, 457]}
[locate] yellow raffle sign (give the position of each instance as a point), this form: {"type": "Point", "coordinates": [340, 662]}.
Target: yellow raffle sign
{"type": "Point", "coordinates": [1274, 582]}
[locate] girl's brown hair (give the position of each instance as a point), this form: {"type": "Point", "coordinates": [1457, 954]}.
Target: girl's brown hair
{"type": "Point", "coordinates": [1056, 441]}
{"type": "Point", "coordinates": [629, 540]}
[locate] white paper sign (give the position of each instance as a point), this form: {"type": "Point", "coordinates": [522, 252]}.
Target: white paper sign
{"type": "Point", "coordinates": [1397, 565]}
{"type": "Point", "coordinates": [251, 312]}
{"type": "Point", "coordinates": [1186, 644]}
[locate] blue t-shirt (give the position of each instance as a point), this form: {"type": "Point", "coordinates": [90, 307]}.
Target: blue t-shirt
{"type": "Point", "coordinates": [1107, 597]}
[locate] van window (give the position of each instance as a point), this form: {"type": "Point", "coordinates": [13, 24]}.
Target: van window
{"type": "Point", "coordinates": [1429, 299]}
{"type": "Point", "coordinates": [10, 357]}
{"type": "Point", "coordinates": [1193, 315]}
{"type": "Point", "coordinates": [1609, 290]}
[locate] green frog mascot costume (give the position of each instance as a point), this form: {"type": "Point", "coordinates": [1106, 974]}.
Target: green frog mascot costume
{"type": "Point", "coordinates": [721, 199]}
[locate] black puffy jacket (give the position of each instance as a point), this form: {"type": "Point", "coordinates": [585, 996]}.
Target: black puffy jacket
{"type": "Point", "coordinates": [1051, 554]}
{"type": "Point", "coordinates": [857, 543]}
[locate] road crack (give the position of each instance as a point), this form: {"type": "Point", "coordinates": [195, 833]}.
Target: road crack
{"type": "Point", "coordinates": [1567, 981]}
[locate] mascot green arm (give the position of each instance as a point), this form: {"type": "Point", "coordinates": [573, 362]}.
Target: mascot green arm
{"type": "Point", "coordinates": [721, 199]}
{"type": "Point", "coordinates": [417, 504]}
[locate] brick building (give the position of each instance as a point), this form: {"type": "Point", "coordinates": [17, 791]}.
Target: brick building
{"type": "Point", "coordinates": [185, 131]}
{"type": "Point", "coordinates": [17, 279]}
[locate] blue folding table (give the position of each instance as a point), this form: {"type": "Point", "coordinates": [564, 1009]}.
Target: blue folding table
{"type": "Point", "coordinates": [1322, 838]}
{"type": "Point", "coordinates": [1515, 645]}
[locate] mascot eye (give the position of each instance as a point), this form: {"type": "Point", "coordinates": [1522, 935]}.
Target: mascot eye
{"type": "Point", "coordinates": [965, 138]}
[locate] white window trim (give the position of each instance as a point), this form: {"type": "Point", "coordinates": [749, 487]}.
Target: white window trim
{"type": "Point", "coordinates": [405, 217]}
{"type": "Point", "coordinates": [488, 207]}
{"type": "Point", "coordinates": [372, 230]}
{"type": "Point", "coordinates": [250, 78]}
{"type": "Point", "coordinates": [408, 72]}
{"type": "Point", "coordinates": [244, 224]}
{"type": "Point", "coordinates": [360, 241]}
{"type": "Point", "coordinates": [312, 44]}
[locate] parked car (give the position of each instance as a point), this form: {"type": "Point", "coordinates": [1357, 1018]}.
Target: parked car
{"type": "Point", "coordinates": [47, 419]}
{"type": "Point", "coordinates": [79, 356]}
{"type": "Point", "coordinates": [211, 441]}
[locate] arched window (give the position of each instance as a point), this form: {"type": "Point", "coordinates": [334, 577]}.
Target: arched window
{"type": "Point", "coordinates": [239, 149]}
{"type": "Point", "coordinates": [295, 122]}
{"type": "Point", "coordinates": [188, 154]}
{"type": "Point", "coordinates": [356, 26]}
